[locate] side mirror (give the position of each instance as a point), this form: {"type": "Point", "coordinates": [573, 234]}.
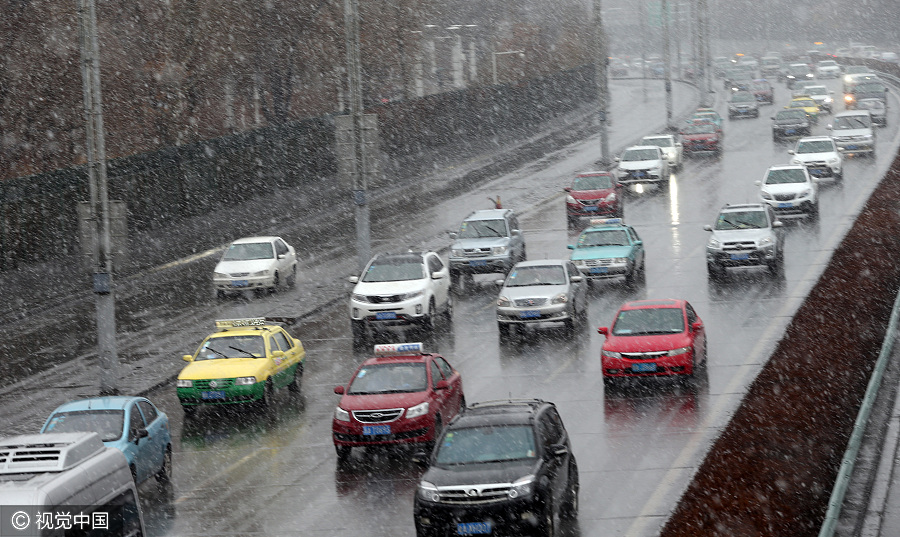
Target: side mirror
{"type": "Point", "coordinates": [777, 223]}
{"type": "Point", "coordinates": [442, 385]}
{"type": "Point", "coordinates": [790, 151]}
{"type": "Point", "coordinates": [498, 283]}
{"type": "Point", "coordinates": [353, 279]}
{"type": "Point", "coordinates": [437, 275]}
{"type": "Point", "coordinates": [421, 458]}
{"type": "Point", "coordinates": [757, 183]}
{"type": "Point", "coordinates": [707, 227]}
{"type": "Point", "coordinates": [829, 127]}
{"type": "Point", "coordinates": [570, 246]}
{"type": "Point", "coordinates": [516, 232]}
{"type": "Point", "coordinates": [576, 279]}
{"type": "Point", "coordinates": [453, 234]}
{"type": "Point", "coordinates": [617, 159]}
{"type": "Point", "coordinates": [568, 189]}
{"type": "Point", "coordinates": [696, 326]}
{"type": "Point", "coordinates": [277, 354]}
{"type": "Point", "coordinates": [339, 390]}
{"type": "Point", "coordinates": [558, 450]}
{"type": "Point", "coordinates": [188, 358]}
{"type": "Point", "coordinates": [603, 330]}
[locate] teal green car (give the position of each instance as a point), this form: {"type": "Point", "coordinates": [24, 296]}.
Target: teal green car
{"type": "Point", "coordinates": [609, 248]}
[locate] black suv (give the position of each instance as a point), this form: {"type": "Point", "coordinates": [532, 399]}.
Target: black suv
{"type": "Point", "coordinates": [501, 467]}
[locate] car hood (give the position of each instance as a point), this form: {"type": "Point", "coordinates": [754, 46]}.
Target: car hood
{"type": "Point", "coordinates": [252, 265]}
{"type": "Point", "coordinates": [224, 368]}
{"type": "Point", "coordinates": [650, 343]}
{"type": "Point", "coordinates": [389, 288]}
{"type": "Point", "coordinates": [700, 137]}
{"type": "Point", "coordinates": [786, 188]}
{"type": "Point", "coordinates": [735, 235]}
{"type": "Point", "coordinates": [639, 164]}
{"type": "Point", "coordinates": [382, 401]}
{"type": "Point", "coordinates": [809, 157]}
{"type": "Point", "coordinates": [791, 121]}
{"type": "Point", "coordinates": [481, 242]}
{"type": "Point", "coordinates": [844, 133]}
{"type": "Point", "coordinates": [600, 252]}
{"type": "Point", "coordinates": [533, 291]}
{"type": "Point", "coordinates": [480, 473]}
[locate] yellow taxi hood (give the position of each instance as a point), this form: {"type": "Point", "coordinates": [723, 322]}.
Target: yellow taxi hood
{"type": "Point", "coordinates": [224, 368]}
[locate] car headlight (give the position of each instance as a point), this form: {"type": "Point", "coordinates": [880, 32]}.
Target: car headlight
{"type": "Point", "coordinates": [457, 252]}
{"type": "Point", "coordinates": [610, 354]}
{"type": "Point", "coordinates": [497, 250]}
{"type": "Point", "coordinates": [503, 302]}
{"type": "Point", "coordinates": [828, 100]}
{"type": "Point", "coordinates": [428, 492]}
{"type": "Point", "coordinates": [579, 263]}
{"type": "Point", "coordinates": [359, 298]}
{"type": "Point", "coordinates": [833, 160]}
{"type": "Point", "coordinates": [765, 195]}
{"type": "Point", "coordinates": [260, 273]}
{"type": "Point", "coordinates": [570, 199]}
{"type": "Point", "coordinates": [184, 383]}
{"type": "Point", "coordinates": [795, 161]}
{"type": "Point", "coordinates": [809, 75]}
{"type": "Point", "coordinates": [610, 198]}
{"type": "Point", "coordinates": [714, 244]}
{"type": "Point", "coordinates": [561, 298]}
{"type": "Point", "coordinates": [521, 487]}
{"type": "Point", "coordinates": [414, 294]}
{"type": "Point", "coordinates": [220, 275]}
{"type": "Point", "coordinates": [620, 260]}
{"type": "Point", "coordinates": [341, 415]}
{"type": "Point", "coordinates": [806, 193]}
{"type": "Point", "coordinates": [766, 241]}
{"type": "Point", "coordinates": [245, 381]}
{"type": "Point", "coordinates": [676, 352]}
{"type": "Point", "coordinates": [418, 410]}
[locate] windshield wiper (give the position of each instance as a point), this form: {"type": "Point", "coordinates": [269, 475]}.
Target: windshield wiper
{"type": "Point", "coordinates": [222, 354]}
{"type": "Point", "coordinates": [250, 354]}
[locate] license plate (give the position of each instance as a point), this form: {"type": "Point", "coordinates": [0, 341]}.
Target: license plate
{"type": "Point", "coordinates": [785, 205]}
{"type": "Point", "coordinates": [530, 314]}
{"type": "Point", "coordinates": [477, 263]}
{"type": "Point", "coordinates": [591, 208]}
{"type": "Point", "coordinates": [789, 131]}
{"type": "Point", "coordinates": [851, 146]}
{"type": "Point", "coordinates": [740, 257]}
{"type": "Point", "coordinates": [385, 315]}
{"type": "Point", "coordinates": [240, 283]}
{"type": "Point", "coordinates": [372, 430]}
{"type": "Point", "coordinates": [218, 394]}
{"type": "Point", "coordinates": [473, 528]}
{"type": "Point", "coordinates": [638, 174]}
{"type": "Point", "coordinates": [643, 368]}
{"type": "Point", "coordinates": [817, 171]}
{"type": "Point", "coordinates": [599, 270]}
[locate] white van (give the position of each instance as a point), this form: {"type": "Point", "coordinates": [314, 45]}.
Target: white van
{"type": "Point", "coordinates": [852, 132]}
{"type": "Point", "coordinates": [66, 484]}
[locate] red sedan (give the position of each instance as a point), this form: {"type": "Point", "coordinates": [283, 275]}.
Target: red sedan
{"type": "Point", "coordinates": [399, 396]}
{"type": "Point", "coordinates": [701, 136]}
{"type": "Point", "coordinates": [593, 194]}
{"type": "Point", "coordinates": [653, 338]}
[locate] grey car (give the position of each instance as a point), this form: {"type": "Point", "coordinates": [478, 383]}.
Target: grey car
{"type": "Point", "coordinates": [542, 291]}
{"type": "Point", "coordinates": [743, 236]}
{"type": "Point", "coordinates": [488, 242]}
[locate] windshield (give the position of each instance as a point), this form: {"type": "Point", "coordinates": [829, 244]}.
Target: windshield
{"type": "Point", "coordinates": [817, 90]}
{"type": "Point", "coordinates": [699, 128]}
{"type": "Point", "coordinates": [395, 269]}
{"type": "Point", "coordinates": [109, 424]}
{"type": "Point", "coordinates": [791, 114]}
{"type": "Point", "coordinates": [536, 275]}
{"type": "Point", "coordinates": [785, 176]}
{"type": "Point", "coordinates": [249, 250]}
{"type": "Point", "coordinates": [633, 155]}
{"type": "Point", "coordinates": [648, 321]}
{"type": "Point", "coordinates": [606, 237]}
{"type": "Point", "coordinates": [799, 69]}
{"type": "Point", "coordinates": [870, 88]}
{"type": "Point", "coordinates": [215, 348]}
{"type": "Point", "coordinates": [593, 182]}
{"type": "Point", "coordinates": [389, 378]}
{"type": "Point", "coordinates": [803, 103]}
{"type": "Point", "coordinates": [741, 220]}
{"type": "Point", "coordinates": [815, 146]}
{"type": "Point", "coordinates": [871, 104]}
{"type": "Point", "coordinates": [473, 229]}
{"type": "Point", "coordinates": [760, 86]}
{"type": "Point", "coordinates": [742, 97]}
{"type": "Point", "coordinates": [486, 444]}
{"type": "Point", "coordinates": [662, 141]}
{"type": "Point", "coordinates": [851, 122]}
{"type": "Point", "coordinates": [827, 63]}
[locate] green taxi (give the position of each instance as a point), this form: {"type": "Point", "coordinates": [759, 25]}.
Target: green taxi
{"type": "Point", "coordinates": [609, 248]}
{"type": "Point", "coordinates": [243, 362]}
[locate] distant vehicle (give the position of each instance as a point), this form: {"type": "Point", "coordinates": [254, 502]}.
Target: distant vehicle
{"type": "Point", "coordinates": [610, 249]}
{"type": "Point", "coordinates": [670, 146]}
{"type": "Point", "coordinates": [243, 362]}
{"type": "Point", "coordinates": [763, 91]}
{"type": "Point", "coordinates": [593, 194]}
{"type": "Point", "coordinates": [891, 57]}
{"type": "Point", "coordinates": [643, 164]}
{"type": "Point", "coordinates": [742, 104]}
{"type": "Point", "coordinates": [653, 338]}
{"type": "Point", "coordinates": [797, 71]}
{"type": "Point", "coordinates": [401, 395]}
{"type": "Point", "coordinates": [790, 122]}
{"type": "Point", "coordinates": [257, 264]}
{"type": "Point", "coordinates": [808, 105]}
{"type": "Point", "coordinates": [72, 473]}
{"type": "Point", "coordinates": [865, 90]}
{"type": "Point", "coordinates": [720, 65]}
{"type": "Point", "coordinates": [133, 425]}
{"type": "Point", "coordinates": [820, 155]}
{"type": "Point", "coordinates": [877, 108]}
{"type": "Point", "coordinates": [852, 132]}
{"type": "Point", "coordinates": [739, 80]}
{"type": "Point", "coordinates": [708, 113]}
{"type": "Point", "coordinates": [489, 241]}
{"type": "Point", "coordinates": [770, 66]}
{"type": "Point", "coordinates": [618, 67]}
{"type": "Point", "coordinates": [822, 96]}
{"type": "Point", "coordinates": [852, 79]}
{"type": "Point", "coordinates": [701, 136]}
{"type": "Point", "coordinates": [542, 291]}
{"type": "Point", "coordinates": [828, 69]}
{"type": "Point", "coordinates": [790, 190]}
{"type": "Point", "coordinates": [501, 468]}
{"type": "Point", "coordinates": [744, 236]}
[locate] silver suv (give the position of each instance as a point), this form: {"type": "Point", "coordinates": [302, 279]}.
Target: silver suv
{"type": "Point", "coordinates": [488, 242]}
{"type": "Point", "coordinates": [745, 235]}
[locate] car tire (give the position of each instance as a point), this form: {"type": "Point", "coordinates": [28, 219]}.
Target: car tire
{"type": "Point", "coordinates": [548, 519]}
{"type": "Point", "coordinates": [189, 410]}
{"type": "Point", "coordinates": [165, 473]}
{"type": "Point", "coordinates": [448, 311]}
{"type": "Point", "coordinates": [133, 470]}
{"type": "Point", "coordinates": [220, 294]}
{"type": "Point", "coordinates": [291, 280]}
{"type": "Point", "coordinates": [276, 281]}
{"type": "Point", "coordinates": [268, 393]}
{"type": "Point", "coordinates": [438, 429]}
{"type": "Point", "coordinates": [294, 386]}
{"type": "Point", "coordinates": [714, 271]}
{"type": "Point", "coordinates": [360, 338]}
{"type": "Point", "coordinates": [570, 507]}
{"type": "Point", "coordinates": [429, 321]}
{"type": "Point", "coordinates": [503, 329]}
{"type": "Point", "coordinates": [343, 453]}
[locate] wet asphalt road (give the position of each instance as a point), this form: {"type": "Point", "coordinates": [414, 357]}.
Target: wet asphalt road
{"type": "Point", "coordinates": [274, 472]}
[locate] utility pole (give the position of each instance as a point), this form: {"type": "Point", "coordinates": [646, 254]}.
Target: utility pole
{"type": "Point", "coordinates": [99, 210]}
{"type": "Point", "coordinates": [667, 63]}
{"type": "Point", "coordinates": [601, 56]}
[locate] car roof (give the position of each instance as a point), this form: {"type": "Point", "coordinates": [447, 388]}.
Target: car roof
{"type": "Point", "coordinates": [743, 207]}
{"type": "Point", "coordinates": [420, 358]}
{"type": "Point", "coordinates": [488, 214]}
{"type": "Point", "coordinates": [786, 167]}
{"type": "Point", "coordinates": [594, 174]}
{"type": "Point", "coordinates": [409, 256]}
{"type": "Point", "coordinates": [116, 402]}
{"type": "Point", "coordinates": [502, 412]}
{"type": "Point", "coordinates": [542, 263]}
{"type": "Point", "coordinates": [652, 136]}
{"type": "Point", "coordinates": [815, 139]}
{"type": "Point", "coordinates": [853, 113]}
{"type": "Point", "coordinates": [641, 147]}
{"type": "Point", "coordinates": [653, 303]}
{"type": "Point", "coordinates": [261, 238]}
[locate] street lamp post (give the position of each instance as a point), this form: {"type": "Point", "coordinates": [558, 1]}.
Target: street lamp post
{"type": "Point", "coordinates": [494, 55]}
{"type": "Point", "coordinates": [601, 57]}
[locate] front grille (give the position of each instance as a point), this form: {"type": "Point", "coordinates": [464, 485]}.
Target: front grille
{"type": "Point", "coordinates": [739, 245]}
{"type": "Point", "coordinates": [377, 416]}
{"type": "Point", "coordinates": [643, 355]}
{"type": "Point", "coordinates": [477, 252]}
{"type": "Point", "coordinates": [383, 299]}
{"type": "Point", "coordinates": [784, 197]}
{"type": "Point", "coordinates": [239, 274]}
{"type": "Point", "coordinates": [475, 495]}
{"type": "Point", "coordinates": [597, 262]}
{"type": "Point", "coordinates": [590, 202]}
{"type": "Point", "coordinates": [204, 384]}
{"type": "Point", "coordinates": [528, 302]}
{"type": "Point", "coordinates": [375, 438]}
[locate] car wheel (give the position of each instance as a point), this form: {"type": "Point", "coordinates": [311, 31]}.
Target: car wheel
{"type": "Point", "coordinates": [360, 338]}
{"type": "Point", "coordinates": [524, 256]}
{"type": "Point", "coordinates": [548, 519]}
{"type": "Point", "coordinates": [276, 281]}
{"type": "Point", "coordinates": [503, 330]}
{"type": "Point", "coordinates": [620, 210]}
{"type": "Point", "coordinates": [428, 322]}
{"type": "Point", "coordinates": [448, 311]}
{"type": "Point", "coordinates": [291, 280]}
{"type": "Point", "coordinates": [220, 294]}
{"type": "Point", "coordinates": [294, 386]}
{"type": "Point", "coordinates": [462, 405]}
{"type": "Point", "coordinates": [133, 473]}
{"type": "Point", "coordinates": [165, 473]}
{"type": "Point", "coordinates": [715, 272]}
{"type": "Point", "coordinates": [343, 453]}
{"type": "Point", "coordinates": [189, 410]}
{"type": "Point", "coordinates": [268, 393]}
{"type": "Point", "coordinates": [570, 507]}
{"type": "Point", "coordinates": [438, 428]}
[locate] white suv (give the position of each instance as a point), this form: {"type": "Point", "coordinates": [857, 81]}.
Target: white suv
{"type": "Point", "coordinates": [790, 190]}
{"type": "Point", "coordinates": [399, 290]}
{"type": "Point", "coordinates": [852, 132]}
{"type": "Point", "coordinates": [744, 236]}
{"type": "Point", "coordinates": [820, 155]}
{"type": "Point", "coordinates": [670, 146]}
{"type": "Point", "coordinates": [643, 164]}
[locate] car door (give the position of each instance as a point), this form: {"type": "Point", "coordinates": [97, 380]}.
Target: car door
{"type": "Point", "coordinates": [699, 335]}
{"type": "Point", "coordinates": [283, 260]}
{"type": "Point", "coordinates": [455, 397]}
{"type": "Point", "coordinates": [516, 240]}
{"type": "Point", "coordinates": [441, 287]}
{"type": "Point", "coordinates": [551, 437]}
{"type": "Point", "coordinates": [158, 435]}
{"type": "Point", "coordinates": [137, 449]}
{"type": "Point", "coordinates": [440, 398]}
{"type": "Point", "coordinates": [280, 364]}
{"type": "Point", "coordinates": [638, 246]}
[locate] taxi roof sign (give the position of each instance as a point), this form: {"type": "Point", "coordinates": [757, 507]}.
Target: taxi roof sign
{"type": "Point", "coordinates": [602, 221]}
{"type": "Point", "coordinates": [239, 323]}
{"type": "Point", "coordinates": [394, 349]}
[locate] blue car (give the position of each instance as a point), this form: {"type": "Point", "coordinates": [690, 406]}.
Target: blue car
{"type": "Point", "coordinates": [609, 248]}
{"type": "Point", "coordinates": [133, 425]}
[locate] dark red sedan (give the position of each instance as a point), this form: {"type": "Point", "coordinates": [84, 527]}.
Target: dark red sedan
{"type": "Point", "coordinates": [401, 395]}
{"type": "Point", "coordinates": [593, 194]}
{"type": "Point", "coordinates": [652, 338]}
{"type": "Point", "coordinates": [701, 136]}
{"type": "Point", "coordinates": [763, 91]}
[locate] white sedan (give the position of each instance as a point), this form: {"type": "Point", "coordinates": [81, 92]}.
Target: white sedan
{"type": "Point", "coordinates": [257, 264]}
{"type": "Point", "coordinates": [670, 147]}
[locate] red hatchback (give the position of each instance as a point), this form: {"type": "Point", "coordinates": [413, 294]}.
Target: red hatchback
{"type": "Point", "coordinates": [700, 136]}
{"type": "Point", "coordinates": [593, 194]}
{"type": "Point", "coordinates": [653, 338]}
{"type": "Point", "coordinates": [400, 396]}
